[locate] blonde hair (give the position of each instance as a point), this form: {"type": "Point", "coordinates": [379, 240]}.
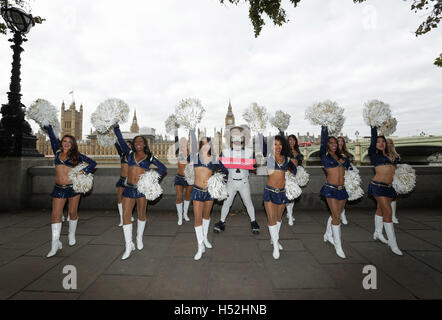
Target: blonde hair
{"type": "Point", "coordinates": [393, 149]}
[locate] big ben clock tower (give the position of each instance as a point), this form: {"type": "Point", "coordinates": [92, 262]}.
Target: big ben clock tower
{"type": "Point", "coordinates": [230, 118]}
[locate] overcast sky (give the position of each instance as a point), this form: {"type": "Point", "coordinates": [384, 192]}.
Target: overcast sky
{"type": "Point", "coordinates": [154, 53]}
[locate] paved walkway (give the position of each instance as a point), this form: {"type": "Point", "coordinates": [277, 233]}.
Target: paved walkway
{"type": "Point", "coordinates": [240, 265]}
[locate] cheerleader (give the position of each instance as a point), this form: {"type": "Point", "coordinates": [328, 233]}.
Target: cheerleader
{"type": "Point", "coordinates": [294, 153]}
{"type": "Point", "coordinates": [381, 188]}
{"type": "Point", "coordinates": [204, 164]}
{"type": "Point", "coordinates": [333, 190]}
{"type": "Point", "coordinates": [342, 146]}
{"type": "Point", "coordinates": [275, 200]}
{"type": "Point", "coordinates": [392, 149]}
{"type": "Point", "coordinates": [239, 159]}
{"type": "Point", "coordinates": [181, 184]}
{"type": "Point", "coordinates": [139, 160]}
{"type": "Point", "coordinates": [120, 183]}
{"type": "Point", "coordinates": [66, 157]}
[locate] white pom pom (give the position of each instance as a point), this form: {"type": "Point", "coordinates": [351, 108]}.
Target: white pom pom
{"type": "Point", "coordinates": [109, 113]}
{"type": "Point", "coordinates": [189, 113]}
{"type": "Point", "coordinates": [328, 114]}
{"type": "Point", "coordinates": [281, 120]}
{"type": "Point", "coordinates": [376, 113]}
{"type": "Point", "coordinates": [302, 177]}
{"type": "Point", "coordinates": [171, 124]}
{"type": "Point", "coordinates": [106, 140]}
{"type": "Point", "coordinates": [256, 117]}
{"type": "Point", "coordinates": [45, 114]}
{"type": "Point", "coordinates": [352, 183]}
{"type": "Point", "coordinates": [389, 127]}
{"type": "Point", "coordinates": [404, 179]}
{"type": "Point", "coordinates": [292, 190]}
{"type": "Point", "coordinates": [82, 182]}
{"type": "Point", "coordinates": [148, 185]}
{"type": "Point", "coordinates": [217, 187]}
{"type": "Point", "coordinates": [189, 174]}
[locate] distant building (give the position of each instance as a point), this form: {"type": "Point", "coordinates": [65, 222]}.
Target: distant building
{"type": "Point", "coordinates": [72, 121]}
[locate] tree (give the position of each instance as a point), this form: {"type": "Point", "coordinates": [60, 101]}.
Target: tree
{"type": "Point", "coordinates": [4, 3]}
{"type": "Point", "coordinates": [273, 9]}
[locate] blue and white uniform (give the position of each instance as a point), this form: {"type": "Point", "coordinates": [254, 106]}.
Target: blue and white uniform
{"type": "Point", "coordinates": [330, 190]}
{"type": "Point", "coordinates": [130, 190]}
{"type": "Point", "coordinates": [123, 160]}
{"type": "Point", "coordinates": [66, 191]}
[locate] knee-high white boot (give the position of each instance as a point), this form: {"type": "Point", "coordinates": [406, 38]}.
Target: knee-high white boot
{"type": "Point", "coordinates": [389, 230]}
{"type": "Point", "coordinates": [393, 211]}
{"type": "Point", "coordinates": [127, 230]}
{"type": "Point", "coordinates": [206, 223]}
{"type": "Point", "coordinates": [278, 227]}
{"type": "Point", "coordinates": [185, 209]}
{"type": "Point", "coordinates": [56, 243]}
{"type": "Point", "coordinates": [328, 235]}
{"type": "Point", "coordinates": [120, 211]}
{"type": "Point", "coordinates": [336, 230]}
{"type": "Point", "coordinates": [343, 217]}
{"type": "Point", "coordinates": [179, 211]}
{"type": "Point", "coordinates": [140, 231]}
{"type": "Point", "coordinates": [379, 226]}
{"type": "Point", "coordinates": [290, 213]}
{"type": "Point", "coordinates": [200, 239]}
{"type": "Point", "coordinates": [274, 234]}
{"type": "Point", "coordinates": [72, 229]}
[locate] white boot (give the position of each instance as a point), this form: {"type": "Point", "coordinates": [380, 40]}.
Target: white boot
{"type": "Point", "coordinates": [140, 232]}
{"type": "Point", "coordinates": [393, 210]}
{"type": "Point", "coordinates": [120, 211]}
{"type": "Point", "coordinates": [343, 217]}
{"type": "Point", "coordinates": [379, 226]}
{"type": "Point", "coordinates": [71, 235]}
{"type": "Point", "coordinates": [206, 223]}
{"type": "Point", "coordinates": [336, 230]}
{"type": "Point", "coordinates": [127, 230]}
{"type": "Point", "coordinates": [200, 239]}
{"type": "Point", "coordinates": [62, 218]}
{"type": "Point", "coordinates": [132, 218]}
{"type": "Point", "coordinates": [185, 209]}
{"type": "Point", "coordinates": [56, 243]}
{"type": "Point", "coordinates": [278, 225]}
{"type": "Point", "coordinates": [68, 218]}
{"type": "Point", "coordinates": [389, 230]}
{"type": "Point", "coordinates": [274, 234]}
{"type": "Point", "coordinates": [290, 213]}
{"type": "Point", "coordinates": [179, 211]}
{"type": "Point", "coordinates": [328, 235]}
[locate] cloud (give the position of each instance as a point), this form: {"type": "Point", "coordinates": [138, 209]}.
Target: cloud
{"type": "Point", "coordinates": [153, 54]}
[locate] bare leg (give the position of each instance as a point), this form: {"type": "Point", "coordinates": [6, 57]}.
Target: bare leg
{"type": "Point", "coordinates": [57, 209]}
{"type": "Point", "coordinates": [198, 208]}
{"type": "Point", "coordinates": [179, 194]}
{"type": "Point", "coordinates": [128, 206]}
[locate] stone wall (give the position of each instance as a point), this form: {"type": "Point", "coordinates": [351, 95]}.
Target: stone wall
{"type": "Point", "coordinates": [428, 192]}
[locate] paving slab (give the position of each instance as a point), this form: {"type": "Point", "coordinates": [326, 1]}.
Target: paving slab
{"type": "Point", "coordinates": [66, 251]}
{"type": "Point", "coordinates": [30, 240]}
{"type": "Point", "coordinates": [244, 280]}
{"type": "Point", "coordinates": [349, 278]}
{"type": "Point", "coordinates": [181, 278]}
{"type": "Point", "coordinates": [309, 294]}
{"type": "Point", "coordinates": [41, 295]}
{"type": "Point", "coordinates": [90, 261]}
{"type": "Point", "coordinates": [430, 258]}
{"type": "Point", "coordinates": [19, 273]}
{"type": "Point", "coordinates": [421, 280]}
{"type": "Point", "coordinates": [8, 255]}
{"type": "Point", "coordinates": [8, 220]}
{"type": "Point", "coordinates": [10, 234]}
{"type": "Point", "coordinates": [288, 245]}
{"type": "Point", "coordinates": [118, 287]}
{"type": "Point", "coordinates": [296, 269]}
{"type": "Point", "coordinates": [234, 249]}
{"type": "Point", "coordinates": [324, 252]}
{"type": "Point", "coordinates": [94, 226]}
{"type": "Point", "coordinates": [431, 236]}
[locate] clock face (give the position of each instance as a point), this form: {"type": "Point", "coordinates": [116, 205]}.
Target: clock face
{"type": "Point", "coordinates": [229, 121]}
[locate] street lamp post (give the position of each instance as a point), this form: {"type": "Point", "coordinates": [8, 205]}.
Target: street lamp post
{"type": "Point", "coordinates": [16, 137]}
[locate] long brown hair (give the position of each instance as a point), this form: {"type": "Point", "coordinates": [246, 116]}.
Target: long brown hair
{"type": "Point", "coordinates": [344, 150]}
{"type": "Point", "coordinates": [73, 153]}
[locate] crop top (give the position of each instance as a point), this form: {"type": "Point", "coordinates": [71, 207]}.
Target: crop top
{"type": "Point", "coordinates": [55, 144]}
{"type": "Point", "coordinates": [378, 159]}
{"type": "Point", "coordinates": [123, 158]}
{"type": "Point", "coordinates": [213, 165]}
{"type": "Point", "coordinates": [131, 161]}
{"type": "Point", "coordinates": [327, 160]}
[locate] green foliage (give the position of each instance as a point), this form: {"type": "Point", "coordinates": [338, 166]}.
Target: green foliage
{"type": "Point", "coordinates": [438, 61]}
